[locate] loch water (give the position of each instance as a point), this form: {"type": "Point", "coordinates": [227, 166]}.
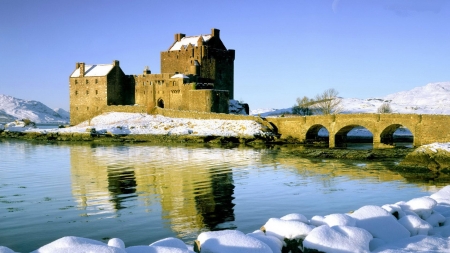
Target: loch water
{"type": "Point", "coordinates": [142, 193]}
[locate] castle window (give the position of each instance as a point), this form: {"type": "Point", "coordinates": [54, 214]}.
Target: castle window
{"type": "Point", "coordinates": [87, 108]}
{"type": "Point", "coordinates": [76, 81]}
{"type": "Point", "coordinates": [76, 92]}
{"type": "Point", "coordinates": [87, 92]}
{"type": "Point", "coordinates": [144, 91]}
{"type": "Point", "coordinates": [96, 81]}
{"type": "Point", "coordinates": [96, 92]}
{"type": "Point", "coordinates": [87, 81]}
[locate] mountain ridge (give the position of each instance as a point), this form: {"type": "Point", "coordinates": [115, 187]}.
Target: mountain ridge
{"type": "Point", "coordinates": [12, 108]}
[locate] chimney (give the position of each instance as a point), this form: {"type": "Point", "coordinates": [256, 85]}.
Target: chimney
{"type": "Point", "coordinates": [82, 68]}
{"type": "Point", "coordinates": [200, 41]}
{"type": "Point", "coordinates": [179, 36]}
{"type": "Point", "coordinates": [147, 70]}
{"type": "Point", "coordinates": [116, 63]}
{"type": "Point", "coordinates": [215, 32]}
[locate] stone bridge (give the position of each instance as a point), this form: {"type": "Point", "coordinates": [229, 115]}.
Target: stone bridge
{"type": "Point", "coordinates": [425, 129]}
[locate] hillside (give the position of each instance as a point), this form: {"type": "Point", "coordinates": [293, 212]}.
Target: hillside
{"type": "Point", "coordinates": [433, 98]}
{"type": "Point", "coordinates": [12, 108]}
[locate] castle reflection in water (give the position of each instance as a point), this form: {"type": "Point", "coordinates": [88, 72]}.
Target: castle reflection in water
{"type": "Point", "coordinates": [192, 196]}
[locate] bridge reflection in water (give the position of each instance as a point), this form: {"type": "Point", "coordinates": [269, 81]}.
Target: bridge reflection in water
{"type": "Point", "coordinates": [193, 197]}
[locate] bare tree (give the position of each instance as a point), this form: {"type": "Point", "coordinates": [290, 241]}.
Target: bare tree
{"type": "Point", "coordinates": [328, 102]}
{"type": "Point", "coordinates": [384, 108]}
{"type": "Point", "coordinates": [303, 106]}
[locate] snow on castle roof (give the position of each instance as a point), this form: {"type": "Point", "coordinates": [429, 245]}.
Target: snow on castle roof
{"type": "Point", "coordinates": [179, 76]}
{"type": "Point", "coordinates": [94, 70]}
{"type": "Point", "coordinates": [185, 41]}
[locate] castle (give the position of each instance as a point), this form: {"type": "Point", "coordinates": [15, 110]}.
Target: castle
{"type": "Point", "coordinates": [197, 74]}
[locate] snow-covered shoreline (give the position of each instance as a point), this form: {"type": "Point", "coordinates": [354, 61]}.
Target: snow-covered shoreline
{"type": "Point", "coordinates": [137, 124]}
{"type": "Point", "coordinates": [418, 225]}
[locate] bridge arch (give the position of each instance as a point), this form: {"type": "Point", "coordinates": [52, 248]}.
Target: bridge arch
{"type": "Point", "coordinates": [312, 134]}
{"type": "Point", "coordinates": [387, 135]}
{"type": "Point", "coordinates": [341, 138]}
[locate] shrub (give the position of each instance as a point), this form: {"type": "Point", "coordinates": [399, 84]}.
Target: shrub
{"type": "Point", "coordinates": [384, 108]}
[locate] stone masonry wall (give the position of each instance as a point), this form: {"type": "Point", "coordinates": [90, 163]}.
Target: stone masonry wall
{"type": "Point", "coordinates": [88, 97]}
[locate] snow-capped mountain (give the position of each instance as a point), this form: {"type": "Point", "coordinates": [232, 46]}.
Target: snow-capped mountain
{"type": "Point", "coordinates": [433, 98]}
{"type": "Point", "coordinates": [12, 108]}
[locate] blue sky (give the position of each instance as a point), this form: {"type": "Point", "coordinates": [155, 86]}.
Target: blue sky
{"type": "Point", "coordinates": [284, 49]}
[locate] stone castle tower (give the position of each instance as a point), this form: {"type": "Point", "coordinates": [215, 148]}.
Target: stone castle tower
{"type": "Point", "coordinates": [203, 56]}
{"type": "Point", "coordinates": [197, 74]}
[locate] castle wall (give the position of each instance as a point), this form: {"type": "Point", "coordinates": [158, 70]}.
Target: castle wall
{"type": "Point", "coordinates": [161, 90]}
{"type": "Point", "coordinates": [125, 108]}
{"type": "Point", "coordinates": [88, 96]}
{"type": "Point", "coordinates": [117, 87]}
{"type": "Point", "coordinates": [181, 60]}
{"type": "Point", "coordinates": [208, 101]}
{"type": "Point", "coordinates": [201, 115]}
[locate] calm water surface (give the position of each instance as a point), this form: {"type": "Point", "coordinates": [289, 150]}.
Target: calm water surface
{"type": "Point", "coordinates": [143, 193]}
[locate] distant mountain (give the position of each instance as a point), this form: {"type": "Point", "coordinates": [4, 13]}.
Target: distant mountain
{"type": "Point", "coordinates": [433, 98]}
{"type": "Point", "coordinates": [12, 108]}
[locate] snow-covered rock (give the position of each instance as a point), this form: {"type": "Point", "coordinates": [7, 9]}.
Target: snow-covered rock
{"type": "Point", "coordinates": [78, 244]}
{"type": "Point", "coordinates": [287, 229]}
{"type": "Point", "coordinates": [295, 217]}
{"type": "Point", "coordinates": [339, 219]}
{"type": "Point", "coordinates": [229, 241]}
{"type": "Point", "coordinates": [380, 223]}
{"type": "Point", "coordinates": [342, 239]}
{"type": "Point", "coordinates": [236, 107]}
{"type": "Point", "coordinates": [415, 225]}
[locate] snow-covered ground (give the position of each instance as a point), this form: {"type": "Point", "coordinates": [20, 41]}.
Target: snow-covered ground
{"type": "Point", "coordinates": [120, 123]}
{"type": "Point", "coordinates": [12, 108]}
{"type": "Point", "coordinates": [418, 225]}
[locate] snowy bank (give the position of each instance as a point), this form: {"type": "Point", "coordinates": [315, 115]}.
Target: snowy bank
{"type": "Point", "coordinates": [419, 225]}
{"type": "Point", "coordinates": [141, 126]}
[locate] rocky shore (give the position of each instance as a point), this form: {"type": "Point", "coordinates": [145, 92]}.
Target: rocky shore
{"type": "Point", "coordinates": [131, 138]}
{"type": "Point", "coordinates": [370, 154]}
